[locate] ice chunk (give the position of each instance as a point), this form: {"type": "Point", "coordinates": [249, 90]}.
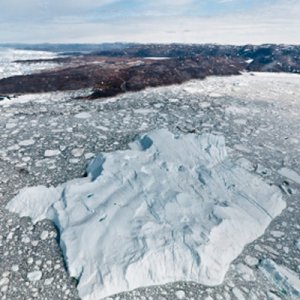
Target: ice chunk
{"type": "Point", "coordinates": [170, 208]}
{"type": "Point", "coordinates": [34, 276]}
{"type": "Point", "coordinates": [27, 142]}
{"type": "Point", "coordinates": [83, 115]}
{"type": "Point", "coordinates": [51, 153]}
{"type": "Point", "coordinates": [77, 152]}
{"type": "Point", "coordinates": [180, 294]}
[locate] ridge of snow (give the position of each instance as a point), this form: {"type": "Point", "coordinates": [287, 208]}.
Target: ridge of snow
{"type": "Point", "coordinates": [170, 208]}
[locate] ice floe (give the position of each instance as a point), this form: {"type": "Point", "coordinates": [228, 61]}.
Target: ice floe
{"type": "Point", "coordinates": [50, 153]}
{"type": "Point", "coordinates": [34, 276]}
{"type": "Point", "coordinates": [171, 208]}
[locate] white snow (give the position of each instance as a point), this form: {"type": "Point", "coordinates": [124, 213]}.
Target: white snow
{"type": "Point", "coordinates": [290, 174]}
{"type": "Point", "coordinates": [170, 208]}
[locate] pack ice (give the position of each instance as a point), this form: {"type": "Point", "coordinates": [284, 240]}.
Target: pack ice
{"type": "Point", "coordinates": [170, 208]}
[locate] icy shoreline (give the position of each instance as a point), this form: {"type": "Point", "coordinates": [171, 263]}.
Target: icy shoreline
{"type": "Point", "coordinates": [170, 208]}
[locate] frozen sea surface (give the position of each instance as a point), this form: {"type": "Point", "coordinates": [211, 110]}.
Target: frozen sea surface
{"type": "Point", "coordinates": [259, 116]}
{"type": "Point", "coordinates": [171, 208]}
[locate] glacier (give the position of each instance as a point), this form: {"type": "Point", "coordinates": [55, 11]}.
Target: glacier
{"type": "Point", "coordinates": [170, 208]}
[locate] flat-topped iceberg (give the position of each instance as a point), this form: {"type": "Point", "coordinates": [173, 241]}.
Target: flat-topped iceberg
{"type": "Point", "coordinates": [170, 208]}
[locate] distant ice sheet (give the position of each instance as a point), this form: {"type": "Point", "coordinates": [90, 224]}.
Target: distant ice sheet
{"type": "Point", "coordinates": [171, 208]}
{"type": "Point", "coordinates": [8, 66]}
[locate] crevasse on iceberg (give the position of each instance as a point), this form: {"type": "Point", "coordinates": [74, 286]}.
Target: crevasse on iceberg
{"type": "Point", "coordinates": [170, 208]}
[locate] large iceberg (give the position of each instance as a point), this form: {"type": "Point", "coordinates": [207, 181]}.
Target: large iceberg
{"type": "Point", "coordinates": [171, 208]}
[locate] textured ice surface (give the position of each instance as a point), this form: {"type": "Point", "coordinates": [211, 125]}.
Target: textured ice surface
{"type": "Point", "coordinates": [288, 173]}
{"type": "Point", "coordinates": [287, 281]}
{"type": "Point", "coordinates": [170, 208]}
